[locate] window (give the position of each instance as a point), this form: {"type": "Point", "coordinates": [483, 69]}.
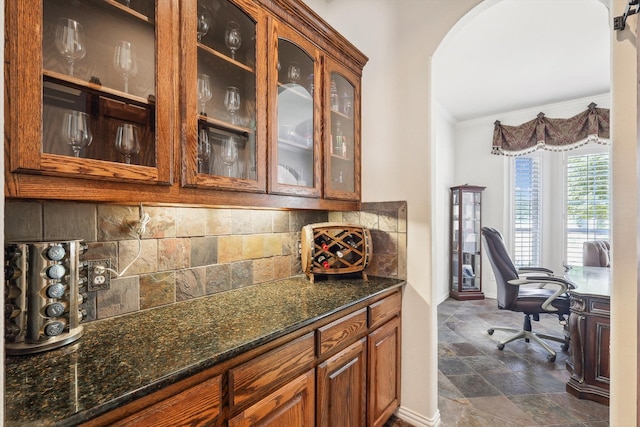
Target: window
{"type": "Point", "coordinates": [587, 202]}
{"type": "Point", "coordinates": [527, 211]}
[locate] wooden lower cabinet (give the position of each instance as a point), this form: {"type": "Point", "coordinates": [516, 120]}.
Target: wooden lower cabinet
{"type": "Point", "coordinates": [384, 372]}
{"type": "Point", "coordinates": [291, 405]}
{"type": "Point", "coordinates": [342, 400]}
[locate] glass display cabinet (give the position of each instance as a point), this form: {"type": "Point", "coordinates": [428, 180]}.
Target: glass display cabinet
{"type": "Point", "coordinates": [96, 110]}
{"type": "Point", "coordinates": [224, 133]}
{"type": "Point", "coordinates": [342, 146]}
{"type": "Point", "coordinates": [295, 152]}
{"type": "Point", "coordinates": [466, 262]}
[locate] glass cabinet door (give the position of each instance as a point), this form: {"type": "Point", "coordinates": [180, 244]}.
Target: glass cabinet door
{"type": "Point", "coordinates": [342, 141]}
{"type": "Point", "coordinates": [295, 167]}
{"type": "Point", "coordinates": [90, 104]}
{"type": "Point", "coordinates": [224, 137]}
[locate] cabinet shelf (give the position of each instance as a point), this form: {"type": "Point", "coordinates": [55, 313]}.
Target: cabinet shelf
{"type": "Point", "coordinates": [225, 58]}
{"type": "Point", "coordinates": [221, 124]}
{"type": "Point", "coordinates": [342, 115]}
{"type": "Point", "coordinates": [127, 10]}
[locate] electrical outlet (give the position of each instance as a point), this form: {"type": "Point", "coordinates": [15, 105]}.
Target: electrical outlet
{"type": "Point", "coordinates": [98, 274]}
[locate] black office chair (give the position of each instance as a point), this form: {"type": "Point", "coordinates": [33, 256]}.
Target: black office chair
{"type": "Point", "coordinates": [532, 301]}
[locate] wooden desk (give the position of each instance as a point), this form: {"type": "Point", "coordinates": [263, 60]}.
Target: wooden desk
{"type": "Point", "coordinates": [589, 330]}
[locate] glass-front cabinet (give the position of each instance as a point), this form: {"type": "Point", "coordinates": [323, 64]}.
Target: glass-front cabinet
{"type": "Point", "coordinates": [88, 102]}
{"type": "Point", "coordinates": [342, 141]}
{"type": "Point", "coordinates": [224, 134]}
{"type": "Point", "coordinates": [466, 262]}
{"type": "Point", "coordinates": [295, 166]}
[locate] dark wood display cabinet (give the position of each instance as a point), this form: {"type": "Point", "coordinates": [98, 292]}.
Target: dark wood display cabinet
{"type": "Point", "coordinates": [466, 263]}
{"type": "Point", "coordinates": [207, 102]}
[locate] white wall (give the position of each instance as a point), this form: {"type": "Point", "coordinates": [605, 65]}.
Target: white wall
{"type": "Point", "coordinates": [477, 166]}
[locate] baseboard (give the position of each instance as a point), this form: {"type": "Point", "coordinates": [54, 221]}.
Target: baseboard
{"type": "Point", "coordinates": [416, 419]}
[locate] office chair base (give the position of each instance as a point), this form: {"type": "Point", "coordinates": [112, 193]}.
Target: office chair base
{"type": "Point", "coordinates": [528, 336]}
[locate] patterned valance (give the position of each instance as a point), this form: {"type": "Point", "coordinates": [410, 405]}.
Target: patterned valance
{"type": "Point", "coordinates": [591, 125]}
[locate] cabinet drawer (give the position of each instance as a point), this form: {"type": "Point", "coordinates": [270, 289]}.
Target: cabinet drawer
{"type": "Point", "coordinates": [258, 376]}
{"type": "Point", "coordinates": [381, 311]}
{"type": "Point", "coordinates": [342, 331]}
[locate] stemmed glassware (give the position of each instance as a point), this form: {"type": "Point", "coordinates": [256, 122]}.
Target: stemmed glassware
{"type": "Point", "coordinates": [232, 102]}
{"type": "Point", "coordinates": [232, 37]}
{"type": "Point", "coordinates": [124, 61]}
{"type": "Point", "coordinates": [76, 130]}
{"type": "Point", "coordinates": [70, 41]}
{"type": "Point", "coordinates": [293, 73]}
{"type": "Point", "coordinates": [204, 148]}
{"type": "Point", "coordinates": [204, 92]}
{"type": "Point", "coordinates": [127, 142]}
{"type": "Point", "coordinates": [204, 21]}
{"type": "Point", "coordinates": [229, 153]}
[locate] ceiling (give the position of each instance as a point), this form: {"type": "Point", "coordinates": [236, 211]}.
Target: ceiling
{"type": "Point", "coordinates": [508, 55]}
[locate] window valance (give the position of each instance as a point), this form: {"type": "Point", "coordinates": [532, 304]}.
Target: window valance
{"type": "Point", "coordinates": [542, 132]}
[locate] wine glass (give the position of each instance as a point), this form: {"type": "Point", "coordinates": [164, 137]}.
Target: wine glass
{"type": "Point", "coordinates": [232, 37]}
{"type": "Point", "coordinates": [70, 41]}
{"type": "Point", "coordinates": [204, 21]}
{"type": "Point", "coordinates": [229, 153]}
{"type": "Point", "coordinates": [293, 73]}
{"type": "Point", "coordinates": [76, 129]}
{"type": "Point", "coordinates": [232, 102]}
{"type": "Point", "coordinates": [204, 92]}
{"type": "Point", "coordinates": [127, 142]}
{"type": "Point", "coordinates": [204, 148]}
{"type": "Point", "coordinates": [124, 61]}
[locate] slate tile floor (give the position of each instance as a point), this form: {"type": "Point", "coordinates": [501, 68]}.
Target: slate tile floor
{"type": "Point", "coordinates": [479, 385]}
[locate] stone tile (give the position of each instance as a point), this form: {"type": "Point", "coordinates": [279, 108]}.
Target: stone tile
{"type": "Point", "coordinates": [402, 255]}
{"type": "Point", "coordinates": [103, 250]}
{"type": "Point", "coordinates": [114, 222]}
{"type": "Point", "coordinates": [174, 254]}
{"type": "Point", "coordinates": [369, 219]}
{"type": "Point", "coordinates": [218, 222]}
{"type": "Point", "coordinates": [454, 366]}
{"type": "Point", "coordinates": [190, 283]}
{"type": "Point", "coordinates": [383, 265]}
{"type": "Point", "coordinates": [241, 221]}
{"type": "Point", "coordinates": [402, 217]}
{"type": "Point", "coordinates": [544, 411]}
{"type": "Point", "coordinates": [473, 386]}
{"type": "Point", "coordinates": [204, 250]}
{"type": "Point", "coordinates": [502, 408]}
{"type": "Point", "coordinates": [261, 221]}
{"type": "Point", "coordinates": [23, 221]}
{"type": "Point", "coordinates": [146, 263]}
{"type": "Point", "coordinates": [485, 364]}
{"type": "Point", "coordinates": [290, 243]}
{"type": "Point", "coordinates": [464, 349]}
{"type": "Point", "coordinates": [272, 245]}
{"type": "Point", "coordinates": [543, 382]}
{"type": "Point", "coordinates": [162, 223]}
{"type": "Point", "coordinates": [122, 297]}
{"type": "Point", "coordinates": [282, 267]}
{"type": "Point", "coordinates": [190, 222]}
{"type": "Point", "coordinates": [335, 217]}
{"type": "Point", "coordinates": [263, 270]}
{"type": "Point", "coordinates": [69, 221]}
{"type": "Point", "coordinates": [447, 389]}
{"type": "Point", "coordinates": [229, 249]}
{"type": "Point", "coordinates": [388, 220]}
{"type": "Point", "coordinates": [352, 217]}
{"type": "Point", "coordinates": [157, 289]}
{"type": "Point", "coordinates": [252, 246]}
{"type": "Point", "coordinates": [384, 242]}
{"type": "Point", "coordinates": [581, 409]}
{"type": "Point", "coordinates": [280, 221]}
{"type": "Point", "coordinates": [218, 278]}
{"type": "Point", "coordinates": [510, 383]}
{"type": "Point", "coordinates": [241, 274]}
{"type": "Point", "coordinates": [299, 219]}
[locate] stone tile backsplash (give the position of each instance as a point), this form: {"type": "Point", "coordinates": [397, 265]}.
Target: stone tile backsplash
{"type": "Point", "coordinates": [193, 252]}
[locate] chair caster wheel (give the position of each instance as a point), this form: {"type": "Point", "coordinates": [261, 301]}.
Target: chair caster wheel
{"type": "Point", "coordinates": [551, 358]}
{"type": "Point", "coordinates": [565, 347]}
{"type": "Point", "coordinates": [490, 331]}
{"type": "Point", "coordinates": [500, 346]}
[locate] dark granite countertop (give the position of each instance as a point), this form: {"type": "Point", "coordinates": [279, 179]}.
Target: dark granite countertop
{"type": "Point", "coordinates": [121, 359]}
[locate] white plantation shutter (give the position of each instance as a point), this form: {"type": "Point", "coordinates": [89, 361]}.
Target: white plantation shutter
{"type": "Point", "coordinates": [527, 211]}
{"type": "Point", "coordinates": [588, 197]}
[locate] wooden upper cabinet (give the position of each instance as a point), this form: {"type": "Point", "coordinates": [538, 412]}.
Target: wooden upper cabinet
{"type": "Point", "coordinates": [224, 107]}
{"type": "Point", "coordinates": [295, 113]}
{"type": "Point", "coordinates": [342, 138]}
{"type": "Point", "coordinates": [83, 91]}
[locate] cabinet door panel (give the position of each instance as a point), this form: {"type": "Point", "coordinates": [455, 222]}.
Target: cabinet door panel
{"type": "Point", "coordinates": [76, 74]}
{"type": "Point", "coordinates": [295, 166]}
{"type": "Point", "coordinates": [291, 405]}
{"type": "Point", "coordinates": [342, 388]}
{"type": "Point", "coordinates": [384, 372]}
